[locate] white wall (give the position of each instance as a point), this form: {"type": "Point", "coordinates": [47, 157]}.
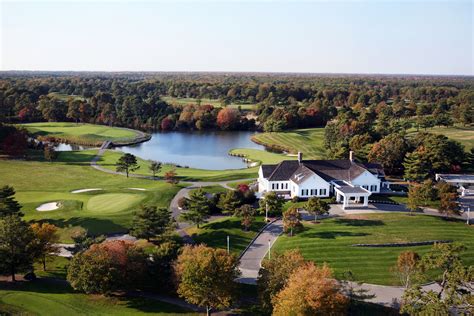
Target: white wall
{"type": "Point", "coordinates": [314, 182]}
{"type": "Point", "coordinates": [367, 179]}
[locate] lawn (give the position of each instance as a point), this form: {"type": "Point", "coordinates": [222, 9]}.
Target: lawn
{"type": "Point", "coordinates": [464, 135]}
{"type": "Point", "coordinates": [65, 97]}
{"type": "Point", "coordinates": [214, 102]}
{"type": "Point", "coordinates": [214, 234]}
{"type": "Point", "coordinates": [87, 134]}
{"type": "Point", "coordinates": [308, 141]}
{"type": "Point", "coordinates": [331, 241]}
{"type": "Point", "coordinates": [107, 211]}
{"type": "Point", "coordinates": [261, 156]}
{"type": "Point", "coordinates": [110, 157]}
{"type": "Point", "coordinates": [50, 297]}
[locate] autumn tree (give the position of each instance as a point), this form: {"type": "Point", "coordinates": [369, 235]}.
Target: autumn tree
{"type": "Point", "coordinates": [198, 208]}
{"type": "Point", "coordinates": [415, 198]}
{"type": "Point", "coordinates": [317, 207]}
{"type": "Point", "coordinates": [108, 267]}
{"type": "Point", "coordinates": [171, 177]}
{"type": "Point", "coordinates": [247, 213]}
{"type": "Point", "coordinates": [274, 274]}
{"type": "Point", "coordinates": [44, 244]}
{"type": "Point", "coordinates": [127, 163]}
{"type": "Point", "coordinates": [150, 222]}
{"type": "Point", "coordinates": [154, 168]}
{"type": "Point", "coordinates": [310, 290]}
{"type": "Point", "coordinates": [50, 153]}
{"type": "Point", "coordinates": [206, 276]}
{"type": "Point", "coordinates": [408, 268]}
{"type": "Point", "coordinates": [389, 152]}
{"type": "Point", "coordinates": [8, 204]}
{"type": "Point", "coordinates": [456, 284]}
{"type": "Point", "coordinates": [448, 199]}
{"type": "Point", "coordinates": [228, 118]}
{"type": "Point", "coordinates": [291, 220]}
{"type": "Point", "coordinates": [16, 238]}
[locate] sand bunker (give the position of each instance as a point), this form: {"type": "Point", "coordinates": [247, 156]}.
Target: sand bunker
{"type": "Point", "coordinates": [137, 189]}
{"type": "Point", "coordinates": [51, 206]}
{"type": "Point", "coordinates": [86, 190]}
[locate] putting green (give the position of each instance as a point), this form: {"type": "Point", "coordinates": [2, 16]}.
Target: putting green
{"type": "Point", "coordinates": [113, 202]}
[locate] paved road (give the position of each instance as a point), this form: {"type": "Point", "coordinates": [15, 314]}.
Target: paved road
{"type": "Point", "coordinates": [251, 260]}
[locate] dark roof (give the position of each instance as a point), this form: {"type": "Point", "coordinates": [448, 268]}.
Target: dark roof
{"type": "Point", "coordinates": [340, 169]}
{"type": "Point", "coordinates": [268, 170]}
{"type": "Point", "coordinates": [284, 170]}
{"type": "Point", "coordinates": [301, 174]}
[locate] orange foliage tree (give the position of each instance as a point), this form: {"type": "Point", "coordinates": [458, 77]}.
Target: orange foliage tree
{"type": "Point", "coordinates": [227, 118]}
{"type": "Point", "coordinates": [311, 290]}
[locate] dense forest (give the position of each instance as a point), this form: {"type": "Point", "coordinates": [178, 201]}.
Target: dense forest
{"type": "Point", "coordinates": [282, 101]}
{"type": "Point", "coordinates": [369, 115]}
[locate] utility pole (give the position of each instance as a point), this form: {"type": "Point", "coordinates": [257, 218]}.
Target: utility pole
{"type": "Point", "coordinates": [228, 244]}
{"type": "Point", "coordinates": [468, 215]}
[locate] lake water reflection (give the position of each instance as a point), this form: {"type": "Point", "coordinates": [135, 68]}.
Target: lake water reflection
{"type": "Point", "coordinates": [204, 150]}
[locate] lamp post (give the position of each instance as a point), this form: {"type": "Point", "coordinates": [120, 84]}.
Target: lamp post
{"type": "Point", "coordinates": [468, 222]}
{"type": "Point", "coordinates": [228, 244]}
{"type": "Point", "coordinates": [269, 249]}
{"type": "Point", "coordinates": [266, 212]}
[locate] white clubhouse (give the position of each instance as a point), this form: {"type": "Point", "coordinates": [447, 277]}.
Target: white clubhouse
{"type": "Point", "coordinates": [349, 181]}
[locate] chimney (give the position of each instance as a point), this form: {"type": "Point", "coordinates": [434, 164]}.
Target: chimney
{"type": "Point", "coordinates": [300, 157]}
{"type": "Point", "coordinates": [351, 156]}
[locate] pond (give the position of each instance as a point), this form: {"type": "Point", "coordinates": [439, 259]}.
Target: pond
{"type": "Point", "coordinates": [202, 150]}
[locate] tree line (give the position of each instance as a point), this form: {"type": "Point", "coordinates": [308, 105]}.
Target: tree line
{"type": "Point", "coordinates": [283, 101]}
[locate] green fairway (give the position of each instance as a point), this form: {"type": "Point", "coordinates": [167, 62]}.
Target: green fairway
{"type": "Point", "coordinates": [261, 156]}
{"type": "Point", "coordinates": [308, 141]}
{"type": "Point", "coordinates": [113, 202]}
{"type": "Point", "coordinates": [214, 234]}
{"type": "Point", "coordinates": [331, 242]}
{"type": "Point", "coordinates": [110, 157]}
{"type": "Point", "coordinates": [87, 134]}
{"type": "Point", "coordinates": [51, 297]}
{"type": "Point", "coordinates": [464, 135]}
{"type": "Point", "coordinates": [107, 211]}
{"type": "Point", "coordinates": [65, 97]}
{"type": "Point", "coordinates": [215, 103]}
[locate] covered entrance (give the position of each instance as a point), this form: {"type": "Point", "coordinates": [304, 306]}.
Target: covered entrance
{"type": "Point", "coordinates": [351, 196]}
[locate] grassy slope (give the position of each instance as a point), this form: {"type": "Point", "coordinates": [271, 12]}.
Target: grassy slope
{"type": "Point", "coordinates": [309, 141]}
{"type": "Point", "coordinates": [110, 157]}
{"type": "Point", "coordinates": [213, 102]}
{"type": "Point", "coordinates": [214, 234]}
{"type": "Point", "coordinates": [50, 298]}
{"type": "Point", "coordinates": [331, 242]}
{"type": "Point", "coordinates": [37, 182]}
{"type": "Point", "coordinates": [261, 155]}
{"type": "Point", "coordinates": [464, 135]}
{"type": "Point", "coordinates": [81, 133]}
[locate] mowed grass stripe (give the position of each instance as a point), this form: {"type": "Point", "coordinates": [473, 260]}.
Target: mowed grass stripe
{"type": "Point", "coordinates": [332, 240]}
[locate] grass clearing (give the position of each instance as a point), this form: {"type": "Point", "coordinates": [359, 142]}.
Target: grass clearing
{"type": "Point", "coordinates": [308, 141]}
{"type": "Point", "coordinates": [81, 133]}
{"type": "Point", "coordinates": [110, 157]}
{"type": "Point", "coordinates": [214, 234]}
{"type": "Point", "coordinates": [37, 182]}
{"type": "Point", "coordinates": [463, 134]}
{"type": "Point", "coordinates": [214, 102]}
{"type": "Point", "coordinates": [332, 240]}
{"type": "Point", "coordinates": [51, 297]}
{"type": "Point", "coordinates": [261, 156]}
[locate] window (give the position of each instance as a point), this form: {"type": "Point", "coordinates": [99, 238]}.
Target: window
{"type": "Point", "coordinates": [322, 191]}
{"type": "Point", "coordinates": [304, 192]}
{"type": "Point", "coordinates": [365, 187]}
{"type": "Point", "coordinates": [373, 188]}
{"type": "Point", "coordinates": [286, 186]}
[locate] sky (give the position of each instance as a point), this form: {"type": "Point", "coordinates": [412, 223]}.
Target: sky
{"type": "Point", "coordinates": [393, 37]}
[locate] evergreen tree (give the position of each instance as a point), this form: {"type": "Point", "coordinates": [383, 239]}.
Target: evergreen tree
{"type": "Point", "coordinates": [199, 207]}
{"type": "Point", "coordinates": [16, 243]}
{"type": "Point", "coordinates": [415, 167]}
{"type": "Point", "coordinates": [127, 163]}
{"type": "Point", "coordinates": [8, 204]}
{"type": "Point", "coordinates": [150, 222]}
